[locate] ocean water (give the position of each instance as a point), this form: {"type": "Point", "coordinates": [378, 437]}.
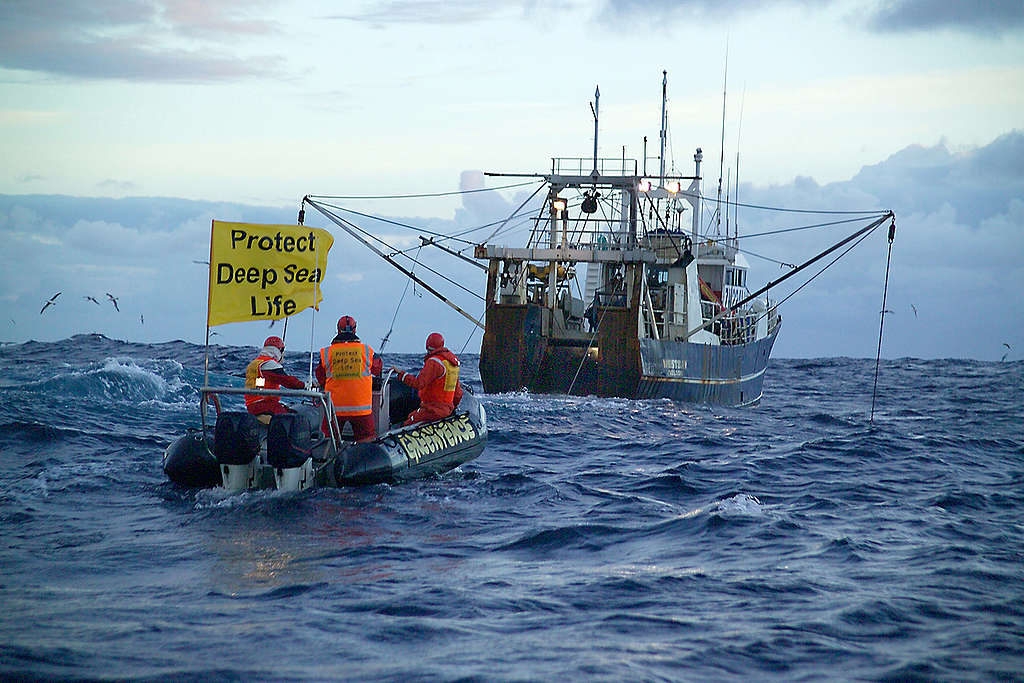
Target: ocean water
{"type": "Point", "coordinates": [593, 539]}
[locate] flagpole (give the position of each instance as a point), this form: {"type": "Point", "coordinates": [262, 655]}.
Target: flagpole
{"type": "Point", "coordinates": [316, 292]}
{"type": "Point", "coordinates": [206, 349]}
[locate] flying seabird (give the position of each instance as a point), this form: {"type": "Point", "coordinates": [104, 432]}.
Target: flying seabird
{"type": "Point", "coordinates": [915, 309]}
{"type": "Point", "coordinates": [92, 299]}
{"type": "Point", "coordinates": [1007, 346]}
{"type": "Point", "coordinates": [142, 319]}
{"type": "Point", "coordinates": [113, 300]}
{"type": "Point", "coordinates": [51, 302]}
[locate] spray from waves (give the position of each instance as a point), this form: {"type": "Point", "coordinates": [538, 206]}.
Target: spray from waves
{"type": "Point", "coordinates": [122, 380]}
{"type": "Point", "coordinates": [740, 505]}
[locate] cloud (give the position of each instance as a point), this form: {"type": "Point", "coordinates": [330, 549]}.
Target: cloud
{"type": "Point", "coordinates": [432, 12]}
{"type": "Point", "coordinates": [986, 18]}
{"type": "Point", "coordinates": [977, 183]}
{"type": "Point", "coordinates": [697, 10]}
{"type": "Point", "coordinates": [118, 185]}
{"type": "Point", "coordinates": [141, 40]}
{"type": "Point", "coordinates": [958, 252]}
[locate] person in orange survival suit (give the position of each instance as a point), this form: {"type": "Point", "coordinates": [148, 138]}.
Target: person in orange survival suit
{"type": "Point", "coordinates": [437, 383]}
{"type": "Point", "coordinates": [346, 370]}
{"type": "Point", "coordinates": [266, 372]}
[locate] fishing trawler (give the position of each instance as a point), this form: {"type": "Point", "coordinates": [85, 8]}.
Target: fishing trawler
{"type": "Point", "coordinates": [665, 312]}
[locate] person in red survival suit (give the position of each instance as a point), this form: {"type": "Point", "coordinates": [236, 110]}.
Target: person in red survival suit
{"type": "Point", "coordinates": [346, 369]}
{"type": "Point", "coordinates": [266, 372]}
{"type": "Point", "coordinates": [437, 383]}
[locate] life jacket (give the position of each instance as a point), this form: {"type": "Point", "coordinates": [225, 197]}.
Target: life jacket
{"type": "Point", "coordinates": [348, 379]}
{"type": "Point", "coordinates": [442, 389]}
{"type": "Point", "coordinates": [257, 404]}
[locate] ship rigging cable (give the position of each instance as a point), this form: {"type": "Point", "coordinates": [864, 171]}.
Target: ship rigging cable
{"type": "Point", "coordinates": [345, 225]}
{"type": "Point", "coordinates": [860, 233]}
{"type": "Point", "coordinates": [881, 323]}
{"type": "Point", "coordinates": [777, 232]}
{"type": "Point", "coordinates": [405, 290]}
{"type": "Point", "coordinates": [808, 227]}
{"type": "Point", "coordinates": [826, 267]}
{"type": "Point", "coordinates": [417, 196]}
{"type": "Point", "coordinates": [348, 225]}
{"type": "Point", "coordinates": [866, 212]}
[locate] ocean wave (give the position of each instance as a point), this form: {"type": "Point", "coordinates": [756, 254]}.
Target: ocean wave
{"type": "Point", "coordinates": [116, 380]}
{"type": "Point", "coordinates": [674, 541]}
{"type": "Point", "coordinates": [740, 505]}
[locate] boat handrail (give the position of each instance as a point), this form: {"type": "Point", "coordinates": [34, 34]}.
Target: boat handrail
{"type": "Point", "coordinates": [618, 166]}
{"type": "Point", "coordinates": [256, 391]}
{"type": "Point", "coordinates": [323, 396]}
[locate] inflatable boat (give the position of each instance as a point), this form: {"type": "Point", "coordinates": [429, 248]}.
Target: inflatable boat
{"type": "Point", "coordinates": [291, 452]}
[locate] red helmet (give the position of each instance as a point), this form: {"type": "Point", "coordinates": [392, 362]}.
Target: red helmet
{"type": "Point", "coordinates": [274, 341]}
{"type": "Point", "coordinates": [346, 323]}
{"type": "Point", "coordinates": [435, 341]}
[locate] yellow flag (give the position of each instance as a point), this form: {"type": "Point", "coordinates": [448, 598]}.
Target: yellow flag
{"type": "Point", "coordinates": [264, 272]}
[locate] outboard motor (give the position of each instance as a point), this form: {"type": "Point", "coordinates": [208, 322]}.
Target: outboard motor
{"type": "Point", "coordinates": [403, 400]}
{"type": "Point", "coordinates": [236, 444]}
{"type": "Point", "coordinates": [291, 441]}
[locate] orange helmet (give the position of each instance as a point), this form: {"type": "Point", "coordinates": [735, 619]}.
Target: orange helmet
{"type": "Point", "coordinates": [435, 341]}
{"type": "Point", "coordinates": [346, 323]}
{"type": "Point", "coordinates": [274, 341]}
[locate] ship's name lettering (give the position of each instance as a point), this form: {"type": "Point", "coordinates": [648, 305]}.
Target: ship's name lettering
{"type": "Point", "coordinates": [433, 438]}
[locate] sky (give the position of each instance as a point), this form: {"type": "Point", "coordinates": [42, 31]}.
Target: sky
{"type": "Point", "coordinates": [127, 125]}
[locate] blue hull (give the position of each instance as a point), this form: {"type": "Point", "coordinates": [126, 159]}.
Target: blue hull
{"type": "Point", "coordinates": [705, 373]}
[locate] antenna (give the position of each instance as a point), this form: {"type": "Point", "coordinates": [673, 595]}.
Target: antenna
{"type": "Point", "coordinates": [664, 125]}
{"type": "Point", "coordinates": [736, 198]}
{"type": "Point", "coordinates": [721, 158]}
{"type": "Point", "coordinates": [594, 110]}
{"type": "Point", "coordinates": [728, 185]}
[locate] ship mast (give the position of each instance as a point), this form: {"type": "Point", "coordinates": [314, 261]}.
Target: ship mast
{"type": "Point", "coordinates": [721, 158]}
{"type": "Point", "coordinates": [595, 108]}
{"type": "Point", "coordinates": [664, 126]}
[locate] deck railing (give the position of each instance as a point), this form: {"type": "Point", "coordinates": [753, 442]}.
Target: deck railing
{"type": "Point", "coordinates": [323, 397]}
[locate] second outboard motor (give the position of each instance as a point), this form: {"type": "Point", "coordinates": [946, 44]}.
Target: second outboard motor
{"type": "Point", "coordinates": [236, 444]}
{"type": "Point", "coordinates": [403, 401]}
{"type": "Point", "coordinates": [291, 440]}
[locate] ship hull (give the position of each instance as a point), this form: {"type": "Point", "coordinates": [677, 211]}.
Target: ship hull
{"type": "Point", "coordinates": [615, 363]}
{"type": "Point", "coordinates": [729, 375]}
